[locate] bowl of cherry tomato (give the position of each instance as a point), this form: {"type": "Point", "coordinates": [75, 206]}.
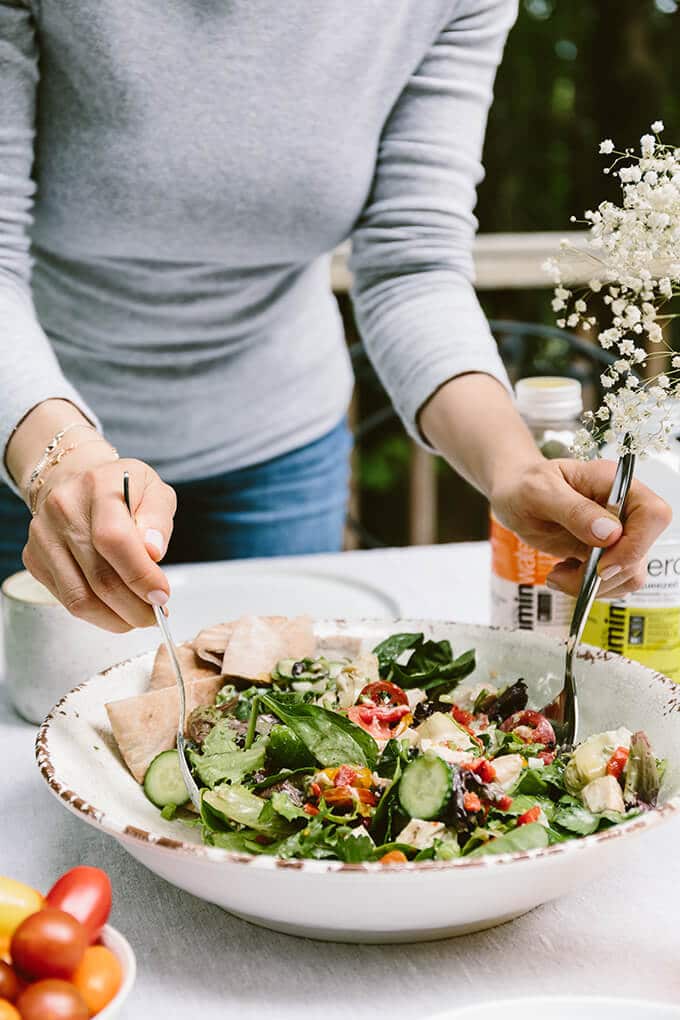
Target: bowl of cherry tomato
{"type": "Point", "coordinates": [59, 959]}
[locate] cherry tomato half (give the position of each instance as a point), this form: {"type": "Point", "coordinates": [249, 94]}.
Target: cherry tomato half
{"type": "Point", "coordinates": [8, 1011]}
{"type": "Point", "coordinates": [85, 893]}
{"type": "Point", "coordinates": [531, 727]}
{"type": "Point", "coordinates": [381, 692]}
{"type": "Point", "coordinates": [98, 977]}
{"type": "Point", "coordinates": [9, 982]}
{"type": "Point", "coordinates": [381, 723]}
{"type": "Point", "coordinates": [52, 1000]}
{"type": "Point", "coordinates": [49, 944]}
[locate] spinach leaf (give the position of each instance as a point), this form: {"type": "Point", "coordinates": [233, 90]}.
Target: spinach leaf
{"type": "Point", "coordinates": [394, 754]}
{"type": "Point", "coordinates": [352, 848]}
{"type": "Point", "coordinates": [316, 839]}
{"type": "Point", "coordinates": [526, 837]}
{"type": "Point", "coordinates": [543, 782]}
{"type": "Point", "coordinates": [390, 649]}
{"type": "Point", "coordinates": [524, 803]}
{"type": "Point", "coordinates": [229, 766]}
{"type": "Point", "coordinates": [235, 841]}
{"type": "Point", "coordinates": [577, 819]}
{"type": "Point", "coordinates": [280, 777]}
{"type": "Point", "coordinates": [331, 738]}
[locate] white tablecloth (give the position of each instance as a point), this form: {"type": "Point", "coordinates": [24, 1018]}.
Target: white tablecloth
{"type": "Point", "coordinates": [620, 936]}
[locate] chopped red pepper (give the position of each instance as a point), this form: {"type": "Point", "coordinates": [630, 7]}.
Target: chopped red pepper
{"type": "Point", "coordinates": [617, 762]}
{"type": "Point", "coordinates": [461, 716]}
{"type": "Point", "coordinates": [472, 803]}
{"type": "Point", "coordinates": [532, 815]}
{"type": "Point", "coordinates": [482, 767]}
{"type": "Point", "coordinates": [367, 797]}
{"type": "Point", "coordinates": [504, 803]}
{"type": "Point", "coordinates": [547, 757]}
{"type": "Point", "coordinates": [345, 776]}
{"type": "Point", "coordinates": [315, 789]}
{"type": "Point", "coordinates": [394, 857]}
{"type": "Point", "coordinates": [310, 809]}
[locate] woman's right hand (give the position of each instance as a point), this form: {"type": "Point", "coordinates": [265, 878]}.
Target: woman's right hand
{"type": "Point", "coordinates": [84, 546]}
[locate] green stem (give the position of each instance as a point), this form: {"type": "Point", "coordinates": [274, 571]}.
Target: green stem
{"type": "Point", "coordinates": [254, 712]}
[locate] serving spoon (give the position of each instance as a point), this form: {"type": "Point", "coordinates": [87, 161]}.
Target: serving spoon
{"type": "Point", "coordinates": [563, 711]}
{"type": "Point", "coordinates": [189, 782]}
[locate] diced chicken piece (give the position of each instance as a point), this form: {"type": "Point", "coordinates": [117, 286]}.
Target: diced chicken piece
{"type": "Point", "coordinates": [603, 794]}
{"type": "Point", "coordinates": [415, 697]}
{"type": "Point", "coordinates": [508, 768]}
{"type": "Point", "coordinates": [442, 729]}
{"type": "Point", "coordinates": [412, 736]}
{"type": "Point", "coordinates": [447, 753]}
{"type": "Point", "coordinates": [590, 758]}
{"type": "Point", "coordinates": [420, 834]}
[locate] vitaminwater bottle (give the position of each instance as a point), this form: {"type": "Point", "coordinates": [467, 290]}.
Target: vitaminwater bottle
{"type": "Point", "coordinates": [551, 406]}
{"type": "Point", "coordinates": [646, 625]}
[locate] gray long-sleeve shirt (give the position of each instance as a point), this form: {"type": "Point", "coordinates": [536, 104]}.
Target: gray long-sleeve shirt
{"type": "Point", "coordinates": [178, 172]}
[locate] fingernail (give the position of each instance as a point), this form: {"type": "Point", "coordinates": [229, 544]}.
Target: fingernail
{"type": "Point", "coordinates": [603, 527]}
{"type": "Point", "coordinates": [158, 597]}
{"type": "Point", "coordinates": [553, 585]}
{"type": "Point", "coordinates": [610, 572]}
{"type": "Point", "coordinates": [153, 537]}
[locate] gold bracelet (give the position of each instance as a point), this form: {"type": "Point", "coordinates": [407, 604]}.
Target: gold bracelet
{"type": "Point", "coordinates": [52, 445]}
{"type": "Point", "coordinates": [52, 462]}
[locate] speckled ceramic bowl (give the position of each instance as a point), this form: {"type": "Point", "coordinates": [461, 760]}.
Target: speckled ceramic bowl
{"type": "Point", "coordinates": [369, 902]}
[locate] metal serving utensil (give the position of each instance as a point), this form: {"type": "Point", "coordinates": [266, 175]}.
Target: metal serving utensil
{"type": "Point", "coordinates": [563, 711]}
{"type": "Point", "coordinates": [192, 788]}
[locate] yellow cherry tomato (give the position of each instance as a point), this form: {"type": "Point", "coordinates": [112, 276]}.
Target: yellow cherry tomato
{"type": "Point", "coordinates": [98, 977]}
{"type": "Point", "coordinates": [8, 1011]}
{"type": "Point", "coordinates": [17, 902]}
{"type": "Point", "coordinates": [4, 947]}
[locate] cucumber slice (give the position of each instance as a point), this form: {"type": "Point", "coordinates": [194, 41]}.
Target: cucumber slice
{"type": "Point", "coordinates": [425, 788]}
{"type": "Point", "coordinates": [163, 782]}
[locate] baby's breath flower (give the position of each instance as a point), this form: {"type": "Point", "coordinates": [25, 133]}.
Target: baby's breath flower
{"type": "Point", "coordinates": [636, 244]}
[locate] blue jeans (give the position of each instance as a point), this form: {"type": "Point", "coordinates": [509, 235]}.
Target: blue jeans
{"type": "Point", "coordinates": [292, 504]}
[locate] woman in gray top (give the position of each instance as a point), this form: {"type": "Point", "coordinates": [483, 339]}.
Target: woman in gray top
{"type": "Point", "coordinates": [179, 173]}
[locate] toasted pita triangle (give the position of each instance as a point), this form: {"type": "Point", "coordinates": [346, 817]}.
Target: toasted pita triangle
{"type": "Point", "coordinates": [210, 644]}
{"type": "Point", "coordinates": [162, 674]}
{"type": "Point", "coordinates": [147, 724]}
{"type": "Point", "coordinates": [258, 642]}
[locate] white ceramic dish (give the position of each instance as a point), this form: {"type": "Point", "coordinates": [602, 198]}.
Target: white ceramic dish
{"type": "Point", "coordinates": [368, 902]}
{"type": "Point", "coordinates": [565, 1008]}
{"type": "Point", "coordinates": [121, 948]}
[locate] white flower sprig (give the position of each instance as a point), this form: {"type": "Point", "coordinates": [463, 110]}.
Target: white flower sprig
{"type": "Point", "coordinates": [635, 249]}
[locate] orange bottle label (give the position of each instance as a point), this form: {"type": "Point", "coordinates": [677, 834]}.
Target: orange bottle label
{"type": "Point", "coordinates": [515, 561]}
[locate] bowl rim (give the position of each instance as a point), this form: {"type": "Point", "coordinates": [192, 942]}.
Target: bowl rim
{"type": "Point", "coordinates": [124, 953]}
{"type": "Point", "coordinates": [127, 833]}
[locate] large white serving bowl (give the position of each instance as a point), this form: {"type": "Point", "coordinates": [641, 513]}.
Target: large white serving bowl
{"type": "Point", "coordinates": [369, 902]}
{"type": "Point", "coordinates": [565, 1008]}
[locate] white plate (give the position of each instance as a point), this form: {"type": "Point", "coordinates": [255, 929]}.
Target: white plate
{"type": "Point", "coordinates": [369, 902]}
{"type": "Point", "coordinates": [566, 1008]}
{"type": "Point", "coordinates": [207, 592]}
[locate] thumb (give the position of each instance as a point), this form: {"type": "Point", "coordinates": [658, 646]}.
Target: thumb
{"type": "Point", "coordinates": [589, 522]}
{"type": "Point", "coordinates": [154, 515]}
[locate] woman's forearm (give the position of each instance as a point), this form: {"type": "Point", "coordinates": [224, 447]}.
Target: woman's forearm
{"type": "Point", "coordinates": [472, 422]}
{"type": "Point", "coordinates": [27, 443]}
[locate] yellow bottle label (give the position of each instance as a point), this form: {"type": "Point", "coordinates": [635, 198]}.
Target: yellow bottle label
{"type": "Point", "coordinates": [647, 634]}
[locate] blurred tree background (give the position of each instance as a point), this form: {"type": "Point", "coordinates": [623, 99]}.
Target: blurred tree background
{"type": "Point", "coordinates": [574, 72]}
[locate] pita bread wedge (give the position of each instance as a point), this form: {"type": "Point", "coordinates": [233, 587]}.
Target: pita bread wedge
{"type": "Point", "coordinates": [258, 642]}
{"type": "Point", "coordinates": [210, 644]}
{"type": "Point", "coordinates": [193, 668]}
{"type": "Point", "coordinates": [147, 724]}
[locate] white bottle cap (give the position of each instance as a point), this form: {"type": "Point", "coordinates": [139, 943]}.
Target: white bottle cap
{"type": "Point", "coordinates": [549, 398]}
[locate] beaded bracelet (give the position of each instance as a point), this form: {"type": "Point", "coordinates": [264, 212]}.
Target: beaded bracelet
{"type": "Point", "coordinates": [52, 462]}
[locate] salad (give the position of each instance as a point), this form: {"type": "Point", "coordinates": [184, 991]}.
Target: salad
{"type": "Point", "coordinates": [385, 757]}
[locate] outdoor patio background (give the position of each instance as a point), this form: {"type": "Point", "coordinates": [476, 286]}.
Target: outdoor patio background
{"type": "Point", "coordinates": [574, 72]}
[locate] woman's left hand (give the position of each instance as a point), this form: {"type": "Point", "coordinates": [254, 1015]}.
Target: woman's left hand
{"type": "Point", "coordinates": [558, 506]}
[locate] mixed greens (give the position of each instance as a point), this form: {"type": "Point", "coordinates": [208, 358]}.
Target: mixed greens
{"type": "Point", "coordinates": [382, 759]}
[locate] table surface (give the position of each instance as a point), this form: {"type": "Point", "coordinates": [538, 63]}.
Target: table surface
{"type": "Point", "coordinates": [618, 936]}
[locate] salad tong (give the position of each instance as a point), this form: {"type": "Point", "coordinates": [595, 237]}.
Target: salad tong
{"type": "Point", "coordinates": [563, 711]}
{"type": "Point", "coordinates": [192, 788]}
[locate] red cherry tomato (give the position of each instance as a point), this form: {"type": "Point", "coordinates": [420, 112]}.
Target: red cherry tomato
{"type": "Point", "coordinates": [381, 692]}
{"type": "Point", "coordinates": [8, 1011]}
{"type": "Point", "coordinates": [49, 944]}
{"type": "Point", "coordinates": [381, 723]}
{"type": "Point", "coordinates": [98, 977]}
{"type": "Point", "coordinates": [9, 982]}
{"type": "Point", "coordinates": [531, 727]}
{"type": "Point", "coordinates": [85, 893]}
{"type": "Point", "coordinates": [52, 1000]}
